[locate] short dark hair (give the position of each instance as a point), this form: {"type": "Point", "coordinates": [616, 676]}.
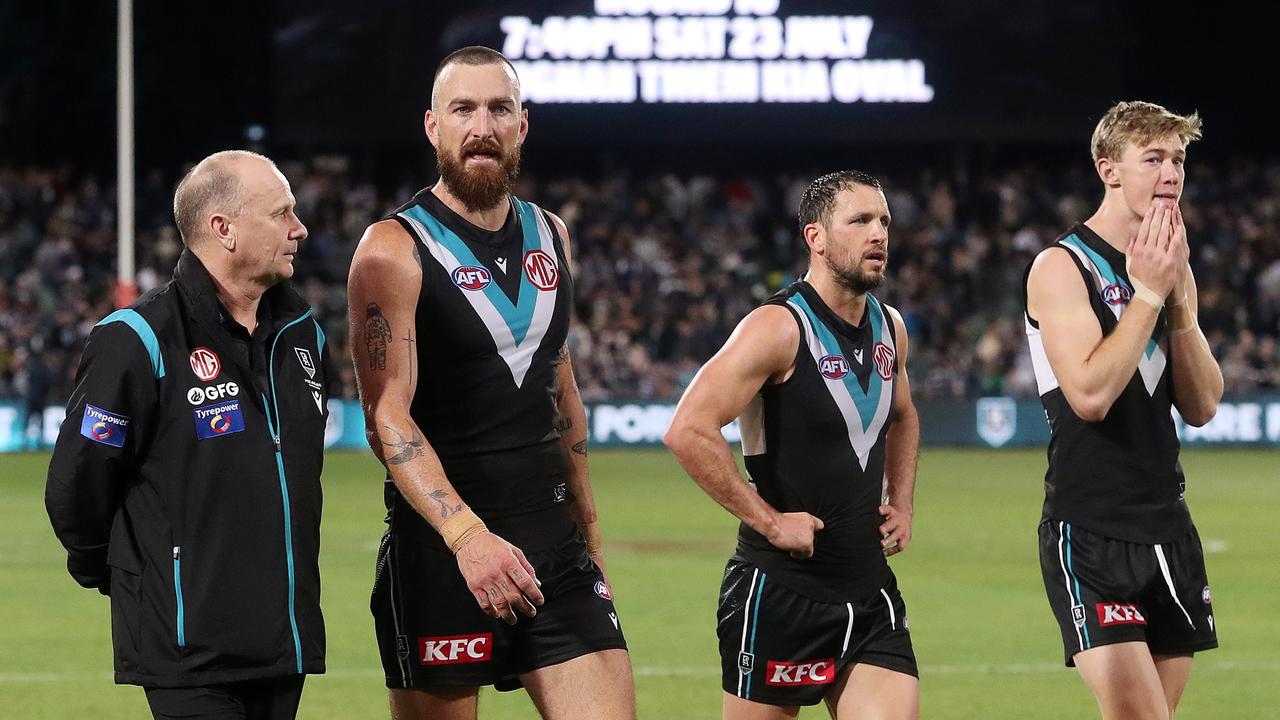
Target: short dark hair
{"type": "Point", "coordinates": [472, 55]}
{"type": "Point", "coordinates": [819, 200]}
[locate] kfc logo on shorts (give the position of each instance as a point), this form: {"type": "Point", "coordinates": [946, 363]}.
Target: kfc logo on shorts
{"type": "Point", "coordinates": [1116, 294]}
{"type": "Point", "coordinates": [205, 364]}
{"type": "Point", "coordinates": [833, 367]}
{"type": "Point", "coordinates": [812, 672]}
{"type": "Point", "coordinates": [884, 358]}
{"type": "Point", "coordinates": [454, 649]}
{"type": "Point", "coordinates": [541, 270]}
{"type": "Point", "coordinates": [1119, 614]}
{"type": "Point", "coordinates": [470, 277]}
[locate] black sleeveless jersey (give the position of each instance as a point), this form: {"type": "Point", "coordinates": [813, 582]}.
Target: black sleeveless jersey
{"type": "Point", "coordinates": [1118, 477]}
{"type": "Point", "coordinates": [492, 315]}
{"type": "Point", "coordinates": [816, 443]}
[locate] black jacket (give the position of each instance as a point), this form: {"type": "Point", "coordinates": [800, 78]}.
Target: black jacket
{"type": "Point", "coordinates": [189, 490]}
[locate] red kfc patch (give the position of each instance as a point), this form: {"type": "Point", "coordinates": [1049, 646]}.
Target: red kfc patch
{"type": "Point", "coordinates": [1119, 614]}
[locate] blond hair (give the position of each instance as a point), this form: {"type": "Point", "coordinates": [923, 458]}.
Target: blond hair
{"type": "Point", "coordinates": [1138, 122]}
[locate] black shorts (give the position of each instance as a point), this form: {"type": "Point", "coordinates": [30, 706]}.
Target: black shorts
{"type": "Point", "coordinates": [781, 648]}
{"type": "Point", "coordinates": [1104, 591]}
{"type": "Point", "coordinates": [432, 633]}
{"type": "Point", "coordinates": [271, 699]}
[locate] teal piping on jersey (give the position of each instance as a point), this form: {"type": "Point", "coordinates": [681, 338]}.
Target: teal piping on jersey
{"type": "Point", "coordinates": [319, 340]}
{"type": "Point", "coordinates": [1107, 272]}
{"type": "Point", "coordinates": [145, 334]}
{"type": "Point", "coordinates": [1087, 643]}
{"type": "Point", "coordinates": [519, 316]}
{"type": "Point", "coordinates": [755, 625]}
{"type": "Point", "coordinates": [865, 400]}
{"type": "Point", "coordinates": [276, 430]}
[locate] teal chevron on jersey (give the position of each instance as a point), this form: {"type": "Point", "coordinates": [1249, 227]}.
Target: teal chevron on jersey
{"type": "Point", "coordinates": [865, 400]}
{"type": "Point", "coordinates": [517, 316]}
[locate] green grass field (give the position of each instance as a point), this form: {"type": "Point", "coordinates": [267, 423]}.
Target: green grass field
{"type": "Point", "coordinates": [987, 645]}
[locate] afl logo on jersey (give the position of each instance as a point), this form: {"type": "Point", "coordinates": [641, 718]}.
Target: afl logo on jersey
{"type": "Point", "coordinates": [884, 358]}
{"type": "Point", "coordinates": [205, 364]}
{"type": "Point", "coordinates": [1116, 294]}
{"type": "Point", "coordinates": [470, 277]}
{"type": "Point", "coordinates": [833, 367]}
{"type": "Point", "coordinates": [541, 270]}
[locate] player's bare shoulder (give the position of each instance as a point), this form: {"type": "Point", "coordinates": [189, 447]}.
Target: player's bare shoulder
{"type": "Point", "coordinates": [1053, 277]}
{"type": "Point", "coordinates": [770, 336]}
{"type": "Point", "coordinates": [386, 242]}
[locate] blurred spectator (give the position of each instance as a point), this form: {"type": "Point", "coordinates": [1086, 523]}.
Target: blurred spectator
{"type": "Point", "coordinates": [667, 265]}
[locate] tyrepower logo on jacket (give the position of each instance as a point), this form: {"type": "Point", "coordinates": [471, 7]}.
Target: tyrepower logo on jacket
{"type": "Point", "coordinates": [1119, 614]}
{"type": "Point", "coordinates": [454, 649]}
{"type": "Point", "coordinates": [810, 672]}
{"type": "Point", "coordinates": [218, 419]}
{"type": "Point", "coordinates": [103, 426]}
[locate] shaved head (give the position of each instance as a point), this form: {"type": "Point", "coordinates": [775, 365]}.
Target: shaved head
{"type": "Point", "coordinates": [213, 186]}
{"type": "Point", "coordinates": [473, 55]}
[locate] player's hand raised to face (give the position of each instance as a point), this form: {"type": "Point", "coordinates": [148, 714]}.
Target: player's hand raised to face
{"type": "Point", "coordinates": [1153, 257]}
{"type": "Point", "coordinates": [794, 533]}
{"type": "Point", "coordinates": [499, 577]}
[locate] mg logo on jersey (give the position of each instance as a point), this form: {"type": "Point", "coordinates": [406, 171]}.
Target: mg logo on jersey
{"type": "Point", "coordinates": [813, 672]}
{"type": "Point", "coordinates": [884, 357]}
{"type": "Point", "coordinates": [205, 364]}
{"type": "Point", "coordinates": [1119, 614]}
{"type": "Point", "coordinates": [602, 590]}
{"type": "Point", "coordinates": [454, 649]}
{"type": "Point", "coordinates": [541, 270]}
{"type": "Point", "coordinates": [1205, 596]}
{"type": "Point", "coordinates": [1116, 294]}
{"type": "Point", "coordinates": [833, 367]}
{"type": "Point", "coordinates": [470, 277]}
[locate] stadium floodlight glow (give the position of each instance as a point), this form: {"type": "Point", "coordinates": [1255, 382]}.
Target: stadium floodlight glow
{"type": "Point", "coordinates": [705, 51]}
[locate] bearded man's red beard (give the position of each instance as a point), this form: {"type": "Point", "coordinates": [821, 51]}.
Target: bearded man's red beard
{"type": "Point", "coordinates": [484, 186]}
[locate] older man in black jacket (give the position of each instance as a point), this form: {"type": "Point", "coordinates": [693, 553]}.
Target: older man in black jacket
{"type": "Point", "coordinates": [185, 482]}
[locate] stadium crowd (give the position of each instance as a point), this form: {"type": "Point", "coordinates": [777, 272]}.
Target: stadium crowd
{"type": "Point", "coordinates": [666, 266]}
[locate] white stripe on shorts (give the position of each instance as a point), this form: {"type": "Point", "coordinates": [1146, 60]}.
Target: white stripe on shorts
{"type": "Point", "coordinates": [1066, 577]}
{"type": "Point", "coordinates": [848, 630]}
{"type": "Point", "coordinates": [1168, 580]}
{"type": "Point", "coordinates": [746, 618]}
{"type": "Point", "coordinates": [395, 616]}
{"type": "Point", "coordinates": [893, 618]}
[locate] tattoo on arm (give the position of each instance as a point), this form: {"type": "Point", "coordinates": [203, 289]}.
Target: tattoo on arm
{"type": "Point", "coordinates": [562, 356]}
{"type": "Point", "coordinates": [406, 449]}
{"type": "Point", "coordinates": [564, 423]}
{"type": "Point", "coordinates": [416, 257]}
{"type": "Point", "coordinates": [580, 447]}
{"type": "Point", "coordinates": [377, 334]}
{"type": "Point", "coordinates": [409, 341]}
{"type": "Point", "coordinates": [445, 510]}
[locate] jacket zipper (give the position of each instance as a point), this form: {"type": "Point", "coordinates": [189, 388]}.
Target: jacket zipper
{"type": "Point", "coordinates": [275, 429]}
{"type": "Point", "coordinates": [177, 588]}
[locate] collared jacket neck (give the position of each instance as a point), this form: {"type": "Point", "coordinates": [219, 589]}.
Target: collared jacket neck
{"type": "Point", "coordinates": [193, 279]}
